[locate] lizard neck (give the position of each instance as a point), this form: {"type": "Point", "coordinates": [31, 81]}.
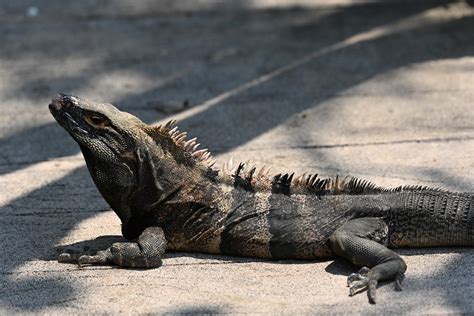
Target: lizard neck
{"type": "Point", "coordinates": [115, 187]}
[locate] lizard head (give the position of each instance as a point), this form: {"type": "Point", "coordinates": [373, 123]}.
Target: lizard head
{"type": "Point", "coordinates": [110, 135]}
{"type": "Point", "coordinates": [109, 140]}
{"type": "Point", "coordinates": [134, 165]}
{"type": "Point", "coordinates": [99, 128]}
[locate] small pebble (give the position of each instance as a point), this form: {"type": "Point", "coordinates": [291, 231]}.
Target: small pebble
{"type": "Point", "coordinates": [32, 12]}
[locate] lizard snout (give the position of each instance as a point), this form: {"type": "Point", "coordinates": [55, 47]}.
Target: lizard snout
{"type": "Point", "coordinates": [62, 100]}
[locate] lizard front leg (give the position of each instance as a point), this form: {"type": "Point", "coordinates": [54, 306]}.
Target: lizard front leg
{"type": "Point", "coordinates": [146, 252]}
{"type": "Point", "coordinates": [362, 242]}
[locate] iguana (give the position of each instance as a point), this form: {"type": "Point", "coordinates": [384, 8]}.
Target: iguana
{"type": "Point", "coordinates": [169, 196]}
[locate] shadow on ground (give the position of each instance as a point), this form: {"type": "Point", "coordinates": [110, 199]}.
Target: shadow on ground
{"type": "Point", "coordinates": [214, 54]}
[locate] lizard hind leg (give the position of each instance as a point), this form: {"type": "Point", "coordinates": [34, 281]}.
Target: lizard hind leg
{"type": "Point", "coordinates": [362, 241]}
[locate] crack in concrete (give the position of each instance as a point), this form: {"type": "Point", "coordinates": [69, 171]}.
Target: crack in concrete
{"type": "Point", "coordinates": [395, 142]}
{"type": "Point", "coordinates": [52, 213]}
{"type": "Point", "coordinates": [379, 143]}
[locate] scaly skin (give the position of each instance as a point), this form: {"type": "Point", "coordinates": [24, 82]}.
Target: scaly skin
{"type": "Point", "coordinates": [169, 197]}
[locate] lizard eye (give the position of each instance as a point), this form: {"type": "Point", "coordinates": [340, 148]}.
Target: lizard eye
{"type": "Point", "coordinates": [96, 120]}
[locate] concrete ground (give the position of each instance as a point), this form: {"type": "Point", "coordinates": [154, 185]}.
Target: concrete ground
{"type": "Point", "coordinates": [380, 91]}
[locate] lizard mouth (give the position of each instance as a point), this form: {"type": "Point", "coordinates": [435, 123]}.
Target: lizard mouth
{"type": "Point", "coordinates": [59, 109]}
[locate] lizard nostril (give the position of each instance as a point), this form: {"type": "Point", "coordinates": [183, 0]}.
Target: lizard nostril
{"type": "Point", "coordinates": [61, 100]}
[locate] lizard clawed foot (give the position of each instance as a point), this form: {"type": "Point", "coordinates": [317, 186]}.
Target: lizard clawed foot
{"type": "Point", "coordinates": [362, 280]}
{"type": "Point", "coordinates": [102, 257]}
{"type": "Point", "coordinates": [368, 279]}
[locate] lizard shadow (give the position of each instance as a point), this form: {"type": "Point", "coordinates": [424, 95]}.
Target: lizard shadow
{"type": "Point", "coordinates": [340, 266]}
{"type": "Point", "coordinates": [86, 247]}
{"type": "Point", "coordinates": [31, 234]}
{"type": "Point", "coordinates": [236, 259]}
{"type": "Point", "coordinates": [91, 246]}
{"type": "Point", "coordinates": [198, 310]}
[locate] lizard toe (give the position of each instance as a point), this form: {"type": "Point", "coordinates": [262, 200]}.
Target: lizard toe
{"type": "Point", "coordinates": [67, 257]}
{"type": "Point", "coordinates": [84, 260]}
{"type": "Point", "coordinates": [363, 280]}
{"type": "Point", "coordinates": [357, 286]}
{"type": "Point", "coordinates": [362, 274]}
{"type": "Point", "coordinates": [399, 280]}
{"type": "Point", "coordinates": [100, 258]}
{"type": "Point", "coordinates": [372, 289]}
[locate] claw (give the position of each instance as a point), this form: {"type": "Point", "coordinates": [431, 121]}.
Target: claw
{"type": "Point", "coordinates": [364, 271]}
{"type": "Point", "coordinates": [83, 260]}
{"type": "Point", "coordinates": [100, 258]}
{"type": "Point", "coordinates": [363, 280]}
{"type": "Point", "coordinates": [398, 281]}
{"type": "Point", "coordinates": [356, 286]}
{"type": "Point", "coordinates": [372, 290]}
{"type": "Point", "coordinates": [362, 274]}
{"type": "Point", "coordinates": [352, 277]}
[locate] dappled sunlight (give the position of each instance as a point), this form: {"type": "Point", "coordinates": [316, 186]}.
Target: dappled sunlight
{"type": "Point", "coordinates": [434, 16]}
{"type": "Point", "coordinates": [121, 83]}
{"type": "Point", "coordinates": [424, 19]}
{"type": "Point", "coordinates": [419, 78]}
{"type": "Point", "coordinates": [21, 183]}
{"type": "Point", "coordinates": [335, 90]}
{"type": "Point", "coordinates": [100, 224]}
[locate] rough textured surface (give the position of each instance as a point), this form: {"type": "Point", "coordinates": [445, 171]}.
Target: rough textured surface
{"type": "Point", "coordinates": [170, 196]}
{"type": "Point", "coordinates": [385, 95]}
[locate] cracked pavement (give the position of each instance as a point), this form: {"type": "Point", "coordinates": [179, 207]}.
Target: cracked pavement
{"type": "Point", "coordinates": [380, 91]}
